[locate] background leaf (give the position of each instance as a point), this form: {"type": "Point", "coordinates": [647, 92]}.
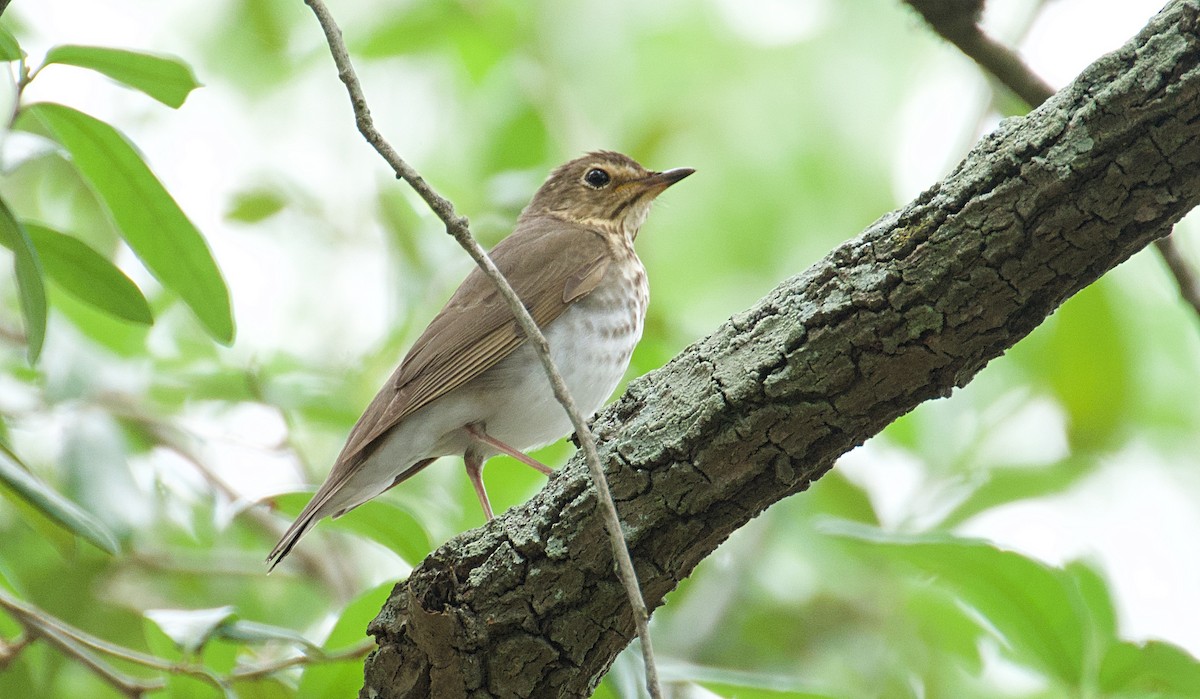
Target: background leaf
{"type": "Point", "coordinates": [149, 219]}
{"type": "Point", "coordinates": [10, 50]}
{"type": "Point", "coordinates": [88, 276]}
{"type": "Point", "coordinates": [1037, 609]}
{"type": "Point", "coordinates": [344, 678]}
{"type": "Point", "coordinates": [22, 483]}
{"type": "Point", "coordinates": [190, 628]}
{"type": "Point", "coordinates": [254, 205]}
{"type": "Point", "coordinates": [380, 520]}
{"type": "Point", "coordinates": [166, 79]}
{"type": "Point", "coordinates": [30, 285]}
{"type": "Point", "coordinates": [1153, 669]}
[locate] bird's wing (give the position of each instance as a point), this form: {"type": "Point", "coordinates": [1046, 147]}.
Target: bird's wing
{"type": "Point", "coordinates": [550, 264]}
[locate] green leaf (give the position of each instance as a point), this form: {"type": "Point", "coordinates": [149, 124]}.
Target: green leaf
{"type": "Point", "coordinates": [1097, 600]}
{"type": "Point", "coordinates": [742, 685]}
{"type": "Point", "coordinates": [254, 205]}
{"type": "Point", "coordinates": [88, 276]}
{"type": "Point", "coordinates": [741, 691]}
{"type": "Point", "coordinates": [836, 496]}
{"type": "Point", "coordinates": [948, 629]}
{"type": "Point", "coordinates": [122, 337]}
{"type": "Point", "coordinates": [344, 678]}
{"type": "Point", "coordinates": [252, 632]}
{"type": "Point", "coordinates": [1083, 341]}
{"type": "Point", "coordinates": [157, 230]}
{"type": "Point", "coordinates": [1007, 484]}
{"type": "Point", "coordinates": [379, 520]}
{"type": "Point", "coordinates": [10, 50]}
{"type": "Point", "coordinates": [30, 285]}
{"type": "Point", "coordinates": [1037, 609]}
{"type": "Point", "coordinates": [56, 507]}
{"type": "Point", "coordinates": [166, 79]}
{"type": "Point", "coordinates": [1155, 669]}
{"type": "Point", "coordinates": [190, 629]}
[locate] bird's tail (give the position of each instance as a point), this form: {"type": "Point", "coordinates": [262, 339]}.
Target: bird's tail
{"type": "Point", "coordinates": [336, 497]}
{"type": "Point", "coordinates": [330, 497]}
{"type": "Point", "coordinates": [309, 516]}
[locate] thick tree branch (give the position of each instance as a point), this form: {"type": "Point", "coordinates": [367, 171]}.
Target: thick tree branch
{"type": "Point", "coordinates": [915, 306]}
{"type": "Point", "coordinates": [957, 21]}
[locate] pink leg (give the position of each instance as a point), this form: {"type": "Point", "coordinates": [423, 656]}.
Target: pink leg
{"type": "Point", "coordinates": [480, 436]}
{"type": "Point", "coordinates": [474, 464]}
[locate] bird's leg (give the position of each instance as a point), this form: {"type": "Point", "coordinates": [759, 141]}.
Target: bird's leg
{"type": "Point", "coordinates": [474, 464]}
{"type": "Point", "coordinates": [479, 435]}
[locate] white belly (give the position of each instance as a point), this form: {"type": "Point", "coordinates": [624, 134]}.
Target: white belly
{"type": "Point", "coordinates": [591, 344]}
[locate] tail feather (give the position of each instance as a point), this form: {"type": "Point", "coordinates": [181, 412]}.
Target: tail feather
{"type": "Point", "coordinates": [308, 517]}
{"type": "Point", "coordinates": [324, 500]}
{"type": "Point", "coordinates": [336, 497]}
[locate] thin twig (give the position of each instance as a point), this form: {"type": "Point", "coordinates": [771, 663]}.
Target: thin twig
{"type": "Point", "coordinates": [260, 671]}
{"type": "Point", "coordinates": [457, 227]}
{"type": "Point", "coordinates": [38, 624]}
{"type": "Point", "coordinates": [957, 21]}
{"type": "Point", "coordinates": [80, 645]}
{"type": "Point", "coordinates": [10, 650]}
{"type": "Point", "coordinates": [1185, 276]}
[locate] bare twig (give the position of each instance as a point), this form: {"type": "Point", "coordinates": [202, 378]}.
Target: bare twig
{"type": "Point", "coordinates": [457, 227]}
{"type": "Point", "coordinates": [260, 671]}
{"type": "Point", "coordinates": [9, 650]}
{"type": "Point", "coordinates": [84, 647]}
{"type": "Point", "coordinates": [1185, 276]}
{"type": "Point", "coordinates": [38, 624]}
{"type": "Point", "coordinates": [12, 336]}
{"type": "Point", "coordinates": [957, 21]}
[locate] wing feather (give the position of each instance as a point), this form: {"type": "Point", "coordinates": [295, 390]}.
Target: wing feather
{"type": "Point", "coordinates": [550, 263]}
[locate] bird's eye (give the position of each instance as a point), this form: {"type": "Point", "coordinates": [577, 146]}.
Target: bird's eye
{"type": "Point", "coordinates": [596, 178]}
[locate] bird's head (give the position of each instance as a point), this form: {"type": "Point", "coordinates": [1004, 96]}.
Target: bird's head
{"type": "Point", "coordinates": [605, 190]}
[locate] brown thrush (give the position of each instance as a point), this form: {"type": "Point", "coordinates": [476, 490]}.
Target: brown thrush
{"type": "Point", "coordinates": [472, 385]}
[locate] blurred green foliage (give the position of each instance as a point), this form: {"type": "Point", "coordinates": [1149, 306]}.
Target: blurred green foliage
{"type": "Point", "coordinates": [126, 517]}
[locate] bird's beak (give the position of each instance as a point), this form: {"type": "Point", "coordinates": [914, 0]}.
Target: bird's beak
{"type": "Point", "coordinates": [654, 183]}
{"type": "Point", "coordinates": [658, 181]}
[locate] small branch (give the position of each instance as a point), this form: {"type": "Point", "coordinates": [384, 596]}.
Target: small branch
{"type": "Point", "coordinates": [9, 650]}
{"type": "Point", "coordinates": [13, 336]}
{"type": "Point", "coordinates": [80, 645]}
{"type": "Point", "coordinates": [957, 21]}
{"type": "Point", "coordinates": [38, 624]}
{"type": "Point", "coordinates": [1185, 277]}
{"type": "Point", "coordinates": [258, 672]}
{"type": "Point", "coordinates": [457, 227]}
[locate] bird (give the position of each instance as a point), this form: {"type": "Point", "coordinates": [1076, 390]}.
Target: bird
{"type": "Point", "coordinates": [471, 385]}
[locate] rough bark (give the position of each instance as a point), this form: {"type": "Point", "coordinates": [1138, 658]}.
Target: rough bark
{"type": "Point", "coordinates": [529, 606]}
